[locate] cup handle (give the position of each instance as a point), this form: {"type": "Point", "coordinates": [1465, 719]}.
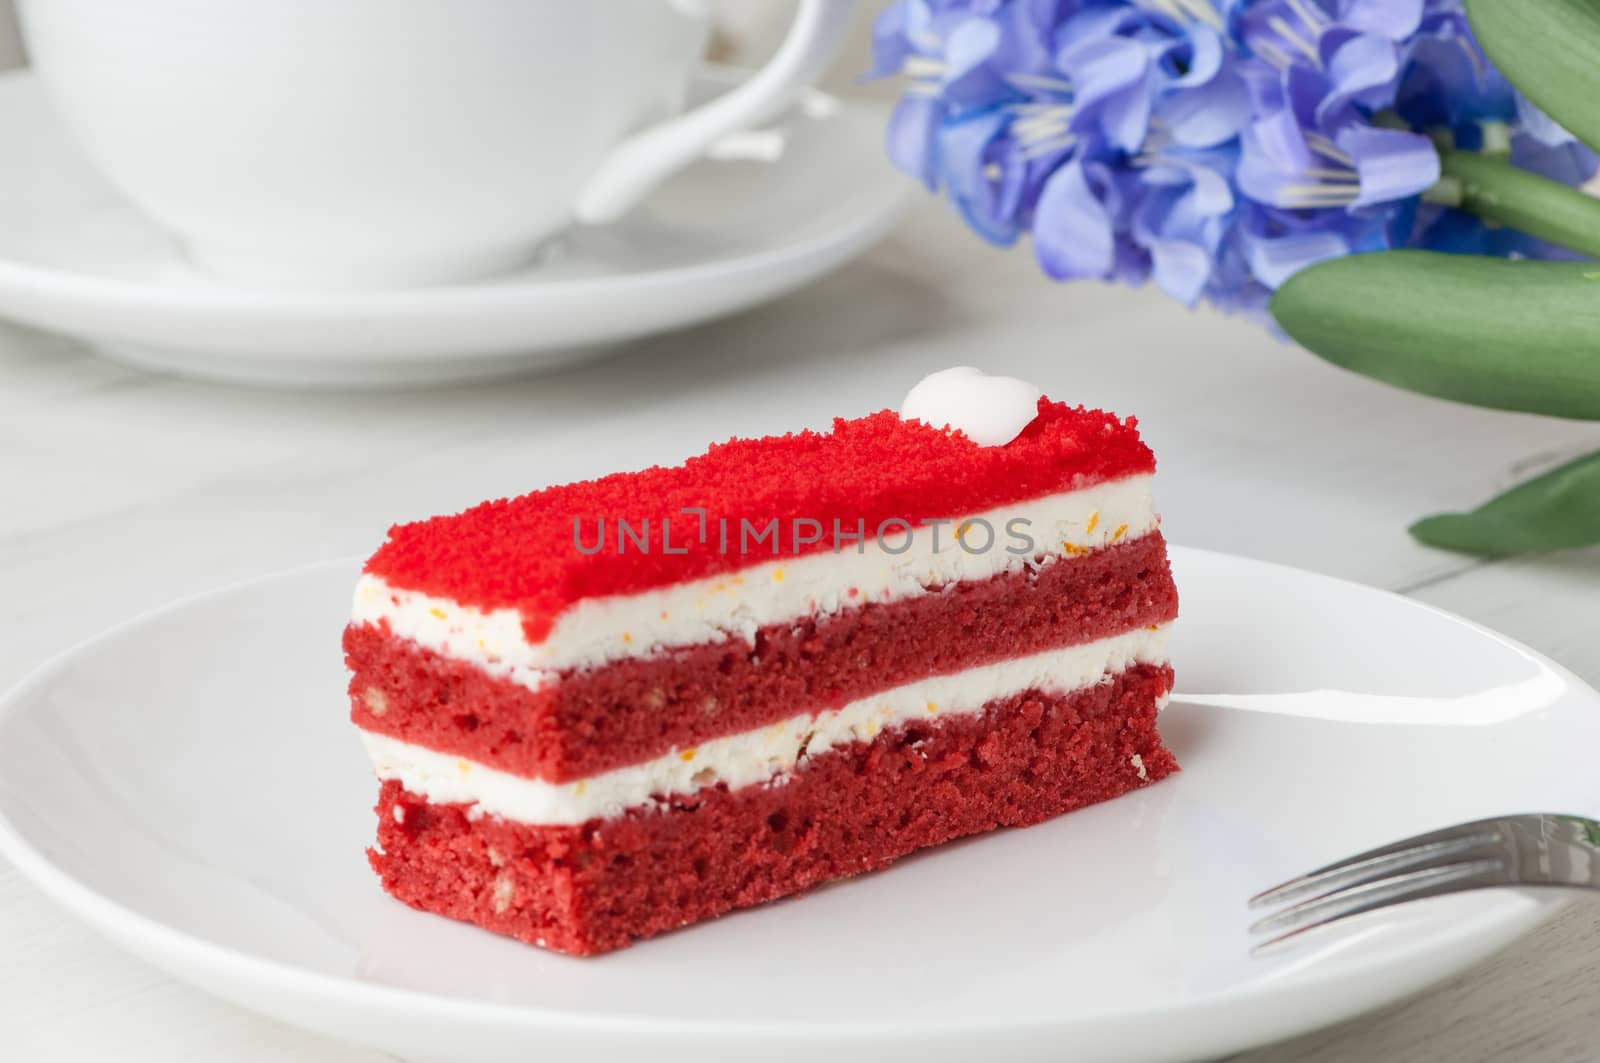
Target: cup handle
{"type": "Point", "coordinates": [637, 165]}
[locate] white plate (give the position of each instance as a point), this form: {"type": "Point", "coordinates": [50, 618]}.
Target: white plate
{"type": "Point", "coordinates": [188, 785]}
{"type": "Point", "coordinates": [777, 208]}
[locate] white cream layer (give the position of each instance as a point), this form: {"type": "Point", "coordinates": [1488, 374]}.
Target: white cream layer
{"type": "Point", "coordinates": [765, 755]}
{"type": "Point", "coordinates": [599, 630]}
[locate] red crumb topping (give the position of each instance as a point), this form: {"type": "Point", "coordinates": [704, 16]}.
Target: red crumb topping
{"type": "Point", "coordinates": [528, 553]}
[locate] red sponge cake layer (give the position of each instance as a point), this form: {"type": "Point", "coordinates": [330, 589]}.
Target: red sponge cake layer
{"type": "Point", "coordinates": [594, 720]}
{"type": "Point", "coordinates": [600, 885]}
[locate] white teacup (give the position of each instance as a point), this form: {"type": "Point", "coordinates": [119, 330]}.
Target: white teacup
{"type": "Point", "coordinates": [393, 143]}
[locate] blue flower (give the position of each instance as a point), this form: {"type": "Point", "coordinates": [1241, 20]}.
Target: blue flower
{"type": "Point", "coordinates": [1345, 89]}
{"type": "Point", "coordinates": [1211, 147]}
{"type": "Point", "coordinates": [1103, 129]}
{"type": "Point", "coordinates": [986, 112]}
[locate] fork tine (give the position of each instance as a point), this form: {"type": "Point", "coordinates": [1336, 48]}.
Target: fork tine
{"type": "Point", "coordinates": [1343, 904]}
{"type": "Point", "coordinates": [1379, 862]}
{"type": "Point", "coordinates": [1360, 869]}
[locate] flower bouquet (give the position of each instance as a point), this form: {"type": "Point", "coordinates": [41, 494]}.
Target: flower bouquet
{"type": "Point", "coordinates": [1391, 183]}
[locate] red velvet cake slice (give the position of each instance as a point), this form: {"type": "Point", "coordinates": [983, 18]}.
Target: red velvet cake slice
{"type": "Point", "coordinates": [608, 709]}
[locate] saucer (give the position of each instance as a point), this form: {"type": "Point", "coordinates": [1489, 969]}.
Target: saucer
{"type": "Point", "coordinates": [766, 212]}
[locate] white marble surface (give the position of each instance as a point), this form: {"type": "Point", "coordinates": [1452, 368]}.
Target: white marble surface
{"type": "Point", "coordinates": [10, 36]}
{"type": "Point", "coordinates": [120, 491]}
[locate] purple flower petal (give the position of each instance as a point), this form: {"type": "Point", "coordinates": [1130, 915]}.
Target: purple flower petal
{"type": "Point", "coordinates": [964, 148]}
{"type": "Point", "coordinates": [912, 136]}
{"type": "Point", "coordinates": [1538, 125]}
{"type": "Point", "coordinates": [1073, 235]}
{"type": "Point", "coordinates": [1092, 24]}
{"type": "Point", "coordinates": [1363, 65]}
{"type": "Point", "coordinates": [1180, 254]}
{"type": "Point", "coordinates": [889, 44]}
{"type": "Point", "coordinates": [1392, 163]}
{"type": "Point", "coordinates": [1394, 19]}
{"type": "Point", "coordinates": [1110, 78]}
{"type": "Point", "coordinates": [1275, 259]}
{"type": "Point", "coordinates": [1303, 90]}
{"type": "Point", "coordinates": [1180, 269]}
{"type": "Point", "coordinates": [1209, 193]}
{"type": "Point", "coordinates": [1264, 86]}
{"type": "Point", "coordinates": [1272, 155]}
{"type": "Point", "coordinates": [1572, 163]}
{"type": "Point", "coordinates": [983, 174]}
{"type": "Point", "coordinates": [1205, 58]}
{"type": "Point", "coordinates": [1132, 265]}
{"type": "Point", "coordinates": [1207, 115]}
{"type": "Point", "coordinates": [994, 229]}
{"type": "Point", "coordinates": [1027, 44]}
{"type": "Point", "coordinates": [969, 78]}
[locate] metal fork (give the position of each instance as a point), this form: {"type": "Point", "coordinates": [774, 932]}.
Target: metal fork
{"type": "Point", "coordinates": [1536, 851]}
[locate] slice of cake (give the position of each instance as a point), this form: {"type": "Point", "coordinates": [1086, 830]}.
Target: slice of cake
{"type": "Point", "coordinates": [612, 708]}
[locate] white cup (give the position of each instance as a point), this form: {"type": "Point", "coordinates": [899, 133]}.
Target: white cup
{"type": "Point", "coordinates": [393, 143]}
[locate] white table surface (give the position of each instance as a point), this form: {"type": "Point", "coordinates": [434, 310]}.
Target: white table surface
{"type": "Point", "coordinates": [121, 491]}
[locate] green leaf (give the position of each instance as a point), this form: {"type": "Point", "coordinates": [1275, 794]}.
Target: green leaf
{"type": "Point", "coordinates": [1548, 49]}
{"type": "Point", "coordinates": [1556, 511]}
{"type": "Point", "coordinates": [1513, 335]}
{"type": "Point", "coordinates": [1495, 190]}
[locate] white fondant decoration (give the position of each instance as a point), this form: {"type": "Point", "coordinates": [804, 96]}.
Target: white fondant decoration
{"type": "Point", "coordinates": [991, 410]}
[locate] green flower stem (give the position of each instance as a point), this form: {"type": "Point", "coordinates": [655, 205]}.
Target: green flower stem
{"type": "Point", "coordinates": [1496, 138]}
{"type": "Point", "coordinates": [1446, 192]}
{"type": "Point", "coordinates": [1499, 192]}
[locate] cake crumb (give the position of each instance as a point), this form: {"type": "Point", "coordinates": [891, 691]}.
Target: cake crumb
{"type": "Point", "coordinates": [1138, 765]}
{"type": "Point", "coordinates": [399, 813]}
{"type": "Point", "coordinates": [495, 858]}
{"type": "Point", "coordinates": [376, 700]}
{"type": "Point", "coordinates": [503, 889]}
